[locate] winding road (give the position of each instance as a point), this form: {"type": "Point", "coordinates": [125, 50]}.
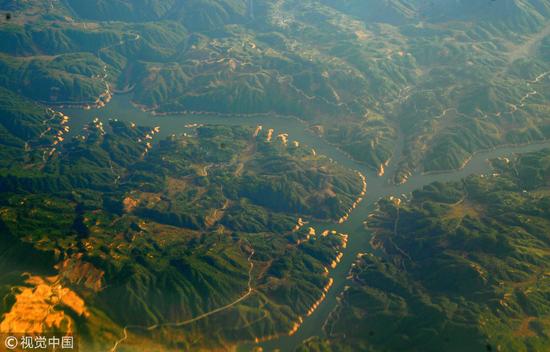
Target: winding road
{"type": "Point", "coordinates": [378, 186]}
{"type": "Point", "coordinates": [192, 320]}
{"type": "Point", "coordinates": [358, 241]}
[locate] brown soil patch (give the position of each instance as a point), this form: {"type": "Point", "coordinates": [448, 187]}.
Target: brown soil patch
{"type": "Point", "coordinates": [176, 185]}
{"type": "Point", "coordinates": [463, 209]}
{"type": "Point", "coordinates": [129, 204]}
{"type": "Point", "coordinates": [362, 35]}
{"type": "Point", "coordinates": [523, 329]}
{"type": "Point", "coordinates": [36, 308]}
{"type": "Point", "coordinates": [75, 271]}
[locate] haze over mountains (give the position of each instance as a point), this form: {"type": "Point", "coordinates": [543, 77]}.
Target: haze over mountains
{"type": "Point", "coordinates": [182, 231]}
{"type": "Point", "coordinates": [451, 75]}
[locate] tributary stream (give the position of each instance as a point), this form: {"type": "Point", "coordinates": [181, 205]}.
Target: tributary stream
{"type": "Point", "coordinates": [121, 108]}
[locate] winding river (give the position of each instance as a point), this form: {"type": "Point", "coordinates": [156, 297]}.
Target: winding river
{"type": "Point", "coordinates": [120, 107]}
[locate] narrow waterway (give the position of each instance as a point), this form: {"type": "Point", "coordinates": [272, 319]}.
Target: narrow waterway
{"type": "Point", "coordinates": [358, 242]}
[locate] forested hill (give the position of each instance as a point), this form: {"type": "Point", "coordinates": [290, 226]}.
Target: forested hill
{"type": "Point", "coordinates": [137, 230]}
{"type": "Point", "coordinates": [464, 266]}
{"type": "Point", "coordinates": [449, 77]}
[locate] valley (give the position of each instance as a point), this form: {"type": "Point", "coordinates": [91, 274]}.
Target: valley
{"type": "Point", "coordinates": [377, 187]}
{"type": "Point", "coordinates": [469, 232]}
{"type": "Point", "coordinates": [324, 175]}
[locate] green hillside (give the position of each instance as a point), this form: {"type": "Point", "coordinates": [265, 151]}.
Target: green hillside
{"type": "Point", "coordinates": [462, 266]}
{"type": "Point", "coordinates": [159, 232]}
{"type": "Point", "coordinates": [134, 236]}
{"type": "Point", "coordinates": [375, 65]}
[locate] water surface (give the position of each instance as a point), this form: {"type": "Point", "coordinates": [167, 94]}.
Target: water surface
{"type": "Point", "coordinates": [121, 108]}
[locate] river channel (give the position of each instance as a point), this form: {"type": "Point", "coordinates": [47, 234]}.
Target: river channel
{"type": "Point", "coordinates": [121, 108]}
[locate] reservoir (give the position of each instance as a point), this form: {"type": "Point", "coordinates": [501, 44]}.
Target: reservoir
{"type": "Point", "coordinates": [121, 108]}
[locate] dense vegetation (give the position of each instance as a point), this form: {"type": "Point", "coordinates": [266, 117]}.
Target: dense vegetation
{"type": "Point", "coordinates": [461, 266]}
{"type": "Point", "coordinates": [152, 232]}
{"type": "Point", "coordinates": [147, 232]}
{"type": "Point", "coordinates": [449, 77]}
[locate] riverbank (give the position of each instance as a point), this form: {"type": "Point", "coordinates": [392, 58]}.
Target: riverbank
{"type": "Point", "coordinates": [495, 148]}
{"type": "Point", "coordinates": [358, 240]}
